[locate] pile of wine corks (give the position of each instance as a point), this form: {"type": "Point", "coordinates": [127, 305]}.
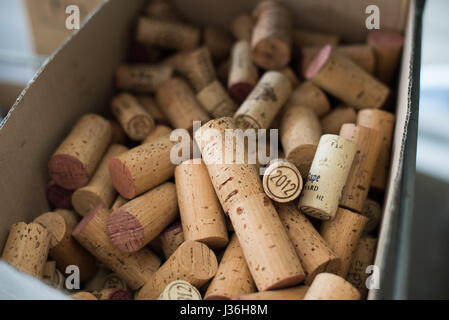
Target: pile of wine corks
{"type": "Point", "coordinates": [301, 225]}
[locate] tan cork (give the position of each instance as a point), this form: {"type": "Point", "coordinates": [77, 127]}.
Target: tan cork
{"type": "Point", "coordinates": [309, 95]}
{"type": "Point", "coordinates": [218, 41]}
{"type": "Point", "coordinates": [242, 27]}
{"type": "Point", "coordinates": [171, 238]}
{"type": "Point", "coordinates": [282, 181]}
{"type": "Point", "coordinates": [294, 293]}
{"type": "Point", "coordinates": [83, 295]}
{"type": "Point", "coordinates": [180, 290]}
{"type": "Point", "coordinates": [373, 211]}
{"type": "Point", "coordinates": [328, 286]}
{"type": "Point", "coordinates": [119, 201]}
{"type": "Point", "coordinates": [198, 68]}
{"type": "Point", "coordinates": [216, 100]}
{"type": "Point", "coordinates": [142, 78]}
{"type": "Point", "coordinates": [158, 132]}
{"type": "Point", "coordinates": [71, 217]}
{"type": "Point", "coordinates": [150, 105]}
{"type": "Point", "coordinates": [112, 294]}
{"type": "Point", "coordinates": [334, 120]}
{"type": "Point", "coordinates": [290, 74]}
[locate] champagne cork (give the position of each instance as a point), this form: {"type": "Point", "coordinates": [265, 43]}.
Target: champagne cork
{"type": "Point", "coordinates": [27, 248]}
{"type": "Point", "coordinates": [300, 132]}
{"type": "Point", "coordinates": [150, 105]}
{"type": "Point", "coordinates": [304, 38]}
{"type": "Point", "coordinates": [373, 211]}
{"type": "Point", "coordinates": [158, 132]}
{"type": "Point", "coordinates": [344, 79]}
{"type": "Point", "coordinates": [119, 201]}
{"type": "Point", "coordinates": [142, 78]}
{"type": "Point", "coordinates": [100, 189]}
{"type": "Point", "coordinates": [63, 247]}
{"type": "Point", "coordinates": [218, 41]}
{"type": "Point", "coordinates": [233, 278]}
{"type": "Point", "coordinates": [59, 197]}
{"type": "Point", "coordinates": [165, 34]}
{"type": "Point", "coordinates": [76, 159]}
{"type": "Point", "coordinates": [313, 252]}
{"type": "Point", "coordinates": [342, 235]}
{"type": "Point", "coordinates": [134, 268]}
{"type": "Point", "coordinates": [295, 293]}
{"type": "Point", "coordinates": [243, 73]}
{"type": "Point", "coordinates": [216, 101]}
{"type": "Point", "coordinates": [161, 9]}
{"type": "Point", "coordinates": [264, 102]}
{"type": "Point", "coordinates": [383, 122]}
{"type": "Point", "coordinates": [282, 181]}
{"type": "Point", "coordinates": [242, 27]}
{"type": "Point", "coordinates": [272, 35]}
{"type": "Point", "coordinates": [71, 218]}
{"type": "Point", "coordinates": [180, 290]}
{"type": "Point", "coordinates": [328, 286]}
{"type": "Point", "coordinates": [198, 68]}
{"type": "Point", "coordinates": [201, 213]}
{"type": "Point", "coordinates": [118, 134]}
{"type": "Point", "coordinates": [309, 95]}
{"type": "Point", "coordinates": [112, 294]}
{"type": "Point", "coordinates": [327, 177]}
{"type": "Point", "coordinates": [334, 120]}
{"type": "Point", "coordinates": [142, 219]}
{"type": "Point", "coordinates": [171, 238]}
{"type": "Point", "coordinates": [290, 74]}
{"type": "Point", "coordinates": [368, 142]}
{"type": "Point", "coordinates": [82, 295]}
{"type": "Point", "coordinates": [193, 262]}
{"type": "Point", "coordinates": [223, 71]}
{"type": "Point", "coordinates": [268, 251]}
{"type": "Point", "coordinates": [387, 45]}
{"type": "Point", "coordinates": [179, 104]}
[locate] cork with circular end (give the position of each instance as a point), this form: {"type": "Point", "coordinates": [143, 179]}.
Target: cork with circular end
{"type": "Point", "coordinates": [216, 100]}
{"type": "Point", "coordinates": [76, 159]}
{"type": "Point", "coordinates": [282, 181]}
{"type": "Point", "coordinates": [242, 27]}
{"type": "Point", "coordinates": [100, 189]}
{"type": "Point", "coordinates": [159, 131]}
{"type": "Point", "coordinates": [171, 238]}
{"type": "Point", "coordinates": [142, 219]}
{"type": "Point", "coordinates": [134, 268]}
{"type": "Point", "coordinates": [180, 290]}
{"type": "Point", "coordinates": [294, 293]}
{"type": "Point", "coordinates": [373, 211]}
{"type": "Point", "coordinates": [268, 251]}
{"type": "Point", "coordinates": [328, 286]}
{"type": "Point", "coordinates": [368, 142]}
{"type": "Point", "coordinates": [161, 9]}
{"type": "Point", "coordinates": [383, 122]}
{"type": "Point", "coordinates": [71, 217]}
{"type": "Point", "coordinates": [59, 197]}
{"type": "Point", "coordinates": [198, 68]}
{"type": "Point", "coordinates": [113, 281]}
{"type": "Point", "coordinates": [142, 78]}
{"type": "Point", "coordinates": [304, 38]}
{"type": "Point", "coordinates": [290, 74]}
{"type": "Point", "coordinates": [344, 79]}
{"type": "Point", "coordinates": [150, 105]}
{"type": "Point", "coordinates": [119, 201]}
{"type": "Point", "coordinates": [342, 235]}
{"type": "Point", "coordinates": [327, 177]}
{"type": "Point", "coordinates": [233, 278]}
{"type": "Point", "coordinates": [218, 41]}
{"type": "Point", "coordinates": [334, 120]}
{"type": "Point", "coordinates": [309, 95]}
{"type": "Point", "coordinates": [82, 295]}
{"type": "Point", "coordinates": [112, 294]}
{"type": "Point", "coordinates": [193, 262]}
{"type": "Point", "coordinates": [265, 101]}
{"type": "Point", "coordinates": [243, 73]}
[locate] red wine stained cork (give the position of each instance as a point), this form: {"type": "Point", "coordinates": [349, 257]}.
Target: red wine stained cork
{"type": "Point", "coordinates": [180, 290]}
{"type": "Point", "coordinates": [198, 68]}
{"type": "Point", "coordinates": [143, 78]}
{"type": "Point", "coordinates": [327, 177]}
{"type": "Point", "coordinates": [290, 74]}
{"type": "Point", "coordinates": [27, 248]}
{"type": "Point", "coordinates": [218, 41]}
{"type": "Point", "coordinates": [201, 214]}
{"type": "Point", "coordinates": [216, 100]}
{"type": "Point", "coordinates": [368, 142]}
{"type": "Point", "coordinates": [223, 71]}
{"type": "Point", "coordinates": [294, 293]}
{"type": "Point", "coordinates": [118, 134]}
{"type": "Point", "coordinates": [342, 235]}
{"type": "Point", "coordinates": [179, 104]}
{"type": "Point", "coordinates": [334, 120]}
{"type": "Point", "coordinates": [344, 79]}
{"type": "Point", "coordinates": [142, 219]}
{"type": "Point", "coordinates": [82, 295]}
{"type": "Point", "coordinates": [158, 132]}
{"type": "Point", "coordinates": [112, 294]}
{"type": "Point", "coordinates": [71, 217]}
{"type": "Point", "coordinates": [76, 159]}
{"type": "Point", "coordinates": [243, 73]}
{"type": "Point", "coordinates": [271, 39]}
{"type": "Point", "coordinates": [300, 132]}
{"type": "Point", "coordinates": [134, 268]}
{"type": "Point", "coordinates": [64, 249]}
{"type": "Point", "coordinates": [383, 122]}
{"type": "Point", "coordinates": [193, 262]}
{"type": "Point", "coordinates": [387, 46]}
{"type": "Point", "coordinates": [282, 181]}
{"type": "Point", "coordinates": [328, 286]}
{"type": "Point", "coordinates": [264, 102]}
{"type": "Point", "coordinates": [242, 27]}
{"type": "Point", "coordinates": [100, 189]}
{"type": "Point", "coordinates": [373, 211]}
{"type": "Point", "coordinates": [161, 9]}
{"type": "Point", "coordinates": [119, 201]}
{"type": "Point", "coordinates": [303, 38]}
{"type": "Point", "coordinates": [313, 252]}
{"type": "Point", "coordinates": [59, 197]}
{"type": "Point", "coordinates": [268, 251]}
{"type": "Point", "coordinates": [150, 105]}
{"type": "Point", "coordinates": [165, 34]}
{"type": "Point", "coordinates": [142, 168]}
{"type": "Point", "coordinates": [171, 238]}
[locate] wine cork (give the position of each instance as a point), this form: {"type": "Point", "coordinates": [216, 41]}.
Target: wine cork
{"type": "Point", "coordinates": [383, 122]}
{"type": "Point", "coordinates": [344, 79]}
{"type": "Point", "coordinates": [165, 34]}
{"type": "Point", "coordinates": [328, 286]}
{"type": "Point", "coordinates": [268, 251]}
{"type": "Point", "coordinates": [82, 295]}
{"type": "Point", "coordinates": [313, 252]}
{"type": "Point", "coordinates": [272, 35]}
{"type": "Point", "coordinates": [113, 281]}
{"type": "Point", "coordinates": [233, 278]}
{"type": "Point", "coordinates": [71, 218]}
{"type": "Point", "coordinates": [300, 132]}
{"type": "Point", "coordinates": [304, 38]}
{"type": "Point", "coordinates": [150, 105]}
{"type": "Point", "coordinates": [179, 104]}
{"type": "Point", "coordinates": [119, 201]}
{"type": "Point", "coordinates": [264, 102]}
{"type": "Point", "coordinates": [180, 290]}
{"type": "Point", "coordinates": [171, 238]}
{"type": "Point", "coordinates": [243, 73]}
{"type": "Point", "coordinates": [100, 189]}
{"type": "Point", "coordinates": [387, 45]}
{"type": "Point", "coordinates": [309, 95]}
{"type": "Point", "coordinates": [104, 279]}
{"type": "Point", "coordinates": [118, 134]}
{"type": "Point", "coordinates": [373, 211]}
{"type": "Point", "coordinates": [333, 121]}
{"type": "Point", "coordinates": [242, 27]}
{"type": "Point", "coordinates": [198, 68]}
{"type": "Point", "coordinates": [161, 9]}
{"type": "Point", "coordinates": [158, 132]}
{"type": "Point", "coordinates": [142, 78]}
{"type": "Point", "coordinates": [193, 262]}
{"type": "Point", "coordinates": [76, 159]}
{"type": "Point", "coordinates": [112, 294]}
{"type": "Point", "coordinates": [218, 41]}
{"type": "Point", "coordinates": [368, 142]}
{"type": "Point", "coordinates": [290, 74]}
{"type": "Point", "coordinates": [327, 177]}
{"type": "Point", "coordinates": [27, 248]}
{"type": "Point", "coordinates": [216, 101]}
{"type": "Point", "coordinates": [142, 219]}
{"type": "Point", "coordinates": [295, 293]}
{"type": "Point", "coordinates": [223, 71]}
{"type": "Point", "coordinates": [342, 235]}
{"type": "Point", "coordinates": [59, 197]}
{"type": "Point", "coordinates": [134, 268]}
{"type": "Point", "coordinates": [282, 181]}
{"type": "Point", "coordinates": [52, 276]}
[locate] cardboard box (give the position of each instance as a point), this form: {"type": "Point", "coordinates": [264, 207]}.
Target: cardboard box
{"type": "Point", "coordinates": [78, 79]}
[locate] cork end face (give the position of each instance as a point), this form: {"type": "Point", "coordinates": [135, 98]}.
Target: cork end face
{"type": "Point", "coordinates": [84, 201]}
{"type": "Point", "coordinates": [385, 38]}
{"type": "Point", "coordinates": [240, 91]}
{"type": "Point", "coordinates": [120, 294]}
{"type": "Point", "coordinates": [67, 171]}
{"type": "Point", "coordinates": [125, 231]}
{"type": "Point", "coordinates": [139, 127]}
{"type": "Point", "coordinates": [302, 157]}
{"type": "Point", "coordinates": [318, 62]}
{"type": "Point", "coordinates": [85, 221]}
{"type": "Point", "coordinates": [332, 266]}
{"type": "Point", "coordinates": [271, 54]}
{"type": "Point", "coordinates": [59, 197]}
{"type": "Point", "coordinates": [287, 282]}
{"type": "Point", "coordinates": [122, 179]}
